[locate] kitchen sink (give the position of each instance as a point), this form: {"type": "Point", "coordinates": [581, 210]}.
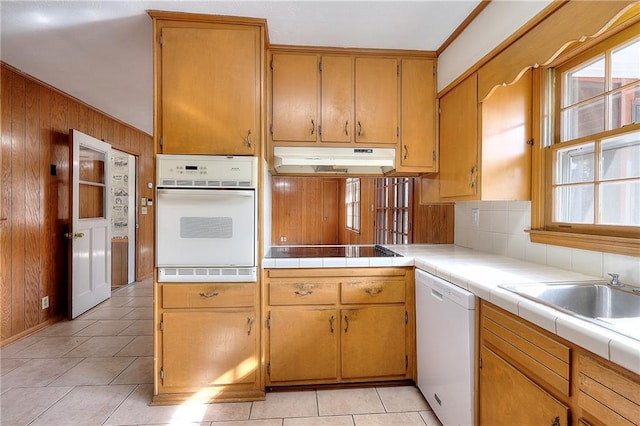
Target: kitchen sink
{"type": "Point", "coordinates": [616, 308]}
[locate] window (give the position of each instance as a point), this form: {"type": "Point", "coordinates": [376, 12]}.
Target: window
{"type": "Point", "coordinates": [594, 181]}
{"type": "Point", "coordinates": [352, 204]}
{"type": "Point", "coordinates": [393, 199]}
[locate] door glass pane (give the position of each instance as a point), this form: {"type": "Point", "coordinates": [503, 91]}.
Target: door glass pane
{"type": "Point", "coordinates": [584, 82]}
{"type": "Point", "coordinates": [574, 204]}
{"type": "Point", "coordinates": [91, 173]}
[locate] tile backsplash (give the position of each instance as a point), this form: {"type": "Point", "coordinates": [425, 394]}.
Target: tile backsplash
{"type": "Point", "coordinates": [500, 229]}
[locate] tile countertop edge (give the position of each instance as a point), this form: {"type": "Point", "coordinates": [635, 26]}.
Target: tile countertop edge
{"type": "Point", "coordinates": [482, 273]}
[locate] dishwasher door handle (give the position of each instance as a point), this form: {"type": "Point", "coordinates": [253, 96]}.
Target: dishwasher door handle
{"type": "Point", "coordinates": [436, 295]}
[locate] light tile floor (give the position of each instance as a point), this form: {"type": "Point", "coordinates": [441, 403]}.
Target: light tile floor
{"type": "Point", "coordinates": [98, 370]}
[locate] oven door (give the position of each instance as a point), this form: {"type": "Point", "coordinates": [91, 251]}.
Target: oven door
{"type": "Point", "coordinates": [204, 233]}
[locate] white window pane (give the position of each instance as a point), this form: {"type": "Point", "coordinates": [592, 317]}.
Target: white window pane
{"type": "Point", "coordinates": [582, 120]}
{"type": "Point", "coordinates": [625, 107]}
{"type": "Point", "coordinates": [575, 164]}
{"type": "Point", "coordinates": [584, 82]}
{"type": "Point", "coordinates": [620, 203]}
{"type": "Point", "coordinates": [574, 204]}
{"type": "Point", "coordinates": [620, 157]}
{"type": "Point", "coordinates": [625, 64]}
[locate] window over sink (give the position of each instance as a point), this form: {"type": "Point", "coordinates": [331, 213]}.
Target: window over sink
{"type": "Point", "coordinates": [591, 135]}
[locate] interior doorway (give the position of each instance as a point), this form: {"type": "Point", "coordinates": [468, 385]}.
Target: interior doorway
{"type": "Point", "coordinates": [123, 218]}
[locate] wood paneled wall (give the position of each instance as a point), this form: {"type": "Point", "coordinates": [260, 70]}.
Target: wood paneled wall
{"type": "Point", "coordinates": [297, 214]}
{"type": "Point", "coordinates": [34, 213]}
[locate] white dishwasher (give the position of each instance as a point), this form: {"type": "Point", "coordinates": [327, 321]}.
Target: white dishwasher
{"type": "Point", "coordinates": [445, 333]}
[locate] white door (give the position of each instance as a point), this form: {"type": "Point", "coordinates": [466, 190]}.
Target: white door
{"type": "Point", "coordinates": [90, 231]}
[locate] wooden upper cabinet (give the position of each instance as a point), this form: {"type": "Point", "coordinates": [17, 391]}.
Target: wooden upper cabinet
{"type": "Point", "coordinates": [376, 105]}
{"type": "Point", "coordinates": [485, 147]}
{"type": "Point", "coordinates": [417, 150]}
{"type": "Point", "coordinates": [208, 85]}
{"type": "Point", "coordinates": [337, 99]}
{"type": "Point", "coordinates": [505, 172]}
{"type": "Point", "coordinates": [459, 140]}
{"type": "Point", "coordinates": [294, 102]}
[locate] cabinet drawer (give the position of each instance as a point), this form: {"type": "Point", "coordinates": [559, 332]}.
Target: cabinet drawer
{"type": "Point", "coordinates": [373, 290]}
{"type": "Point", "coordinates": [607, 395]}
{"type": "Point", "coordinates": [538, 354]}
{"type": "Point", "coordinates": [207, 295]}
{"type": "Point", "coordinates": [303, 292]}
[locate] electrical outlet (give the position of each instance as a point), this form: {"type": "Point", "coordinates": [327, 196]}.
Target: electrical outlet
{"type": "Point", "coordinates": [475, 217]}
{"type": "Point", "coordinates": [45, 302]}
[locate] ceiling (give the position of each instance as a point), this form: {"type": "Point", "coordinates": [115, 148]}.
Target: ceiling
{"type": "Point", "coordinates": [101, 51]}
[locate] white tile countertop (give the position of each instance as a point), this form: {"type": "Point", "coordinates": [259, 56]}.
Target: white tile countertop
{"type": "Point", "coordinates": [482, 273]}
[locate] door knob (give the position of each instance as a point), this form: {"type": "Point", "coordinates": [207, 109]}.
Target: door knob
{"type": "Point", "coordinates": [71, 236]}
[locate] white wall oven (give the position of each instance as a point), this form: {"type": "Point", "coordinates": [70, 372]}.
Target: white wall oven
{"type": "Point", "coordinates": [206, 216]}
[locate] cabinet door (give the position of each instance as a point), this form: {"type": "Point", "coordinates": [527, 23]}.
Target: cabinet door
{"type": "Point", "coordinates": [507, 397]}
{"type": "Point", "coordinates": [418, 135]}
{"type": "Point", "coordinates": [459, 140]}
{"type": "Point", "coordinates": [303, 344]}
{"type": "Point", "coordinates": [295, 86]}
{"type": "Point", "coordinates": [506, 130]}
{"type": "Point", "coordinates": [337, 99]}
{"type": "Point", "coordinates": [373, 342]}
{"type": "Point", "coordinates": [210, 348]}
{"type": "Point", "coordinates": [210, 90]}
{"type": "Point", "coordinates": [376, 100]}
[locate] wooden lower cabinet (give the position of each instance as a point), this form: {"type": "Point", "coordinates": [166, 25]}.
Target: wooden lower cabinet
{"type": "Point", "coordinates": [374, 342]}
{"type": "Point", "coordinates": [207, 340]}
{"type": "Point", "coordinates": [338, 325]}
{"type": "Point", "coordinates": [528, 376]}
{"type": "Point", "coordinates": [508, 397]}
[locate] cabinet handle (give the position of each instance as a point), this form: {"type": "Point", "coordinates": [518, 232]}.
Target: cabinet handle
{"type": "Point", "coordinates": [406, 151]}
{"type": "Point", "coordinates": [556, 421]}
{"type": "Point", "coordinates": [346, 127]}
{"type": "Point", "coordinates": [313, 127]}
{"type": "Point", "coordinates": [359, 128]}
{"type": "Point", "coordinates": [331, 320]}
{"type": "Point", "coordinates": [208, 295]}
{"type": "Point", "coordinates": [346, 322]}
{"type": "Point", "coordinates": [247, 140]}
{"type": "Point", "coordinates": [303, 292]}
{"type": "Point", "coordinates": [373, 291]}
{"type": "Point", "coordinates": [249, 325]}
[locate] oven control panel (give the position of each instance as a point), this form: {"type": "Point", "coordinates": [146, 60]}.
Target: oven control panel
{"type": "Point", "coordinates": [205, 171]}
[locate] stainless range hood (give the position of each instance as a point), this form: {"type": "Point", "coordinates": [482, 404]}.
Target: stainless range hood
{"type": "Point", "coordinates": [351, 161]}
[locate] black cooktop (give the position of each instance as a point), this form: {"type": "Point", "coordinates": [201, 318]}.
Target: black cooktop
{"type": "Point", "coordinates": [330, 251]}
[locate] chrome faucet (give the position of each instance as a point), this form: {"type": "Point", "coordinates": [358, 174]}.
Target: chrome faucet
{"type": "Point", "coordinates": [615, 282]}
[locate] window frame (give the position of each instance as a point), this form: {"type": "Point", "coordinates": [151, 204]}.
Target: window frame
{"type": "Point", "coordinates": [352, 205]}
{"type": "Point", "coordinates": [547, 111]}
